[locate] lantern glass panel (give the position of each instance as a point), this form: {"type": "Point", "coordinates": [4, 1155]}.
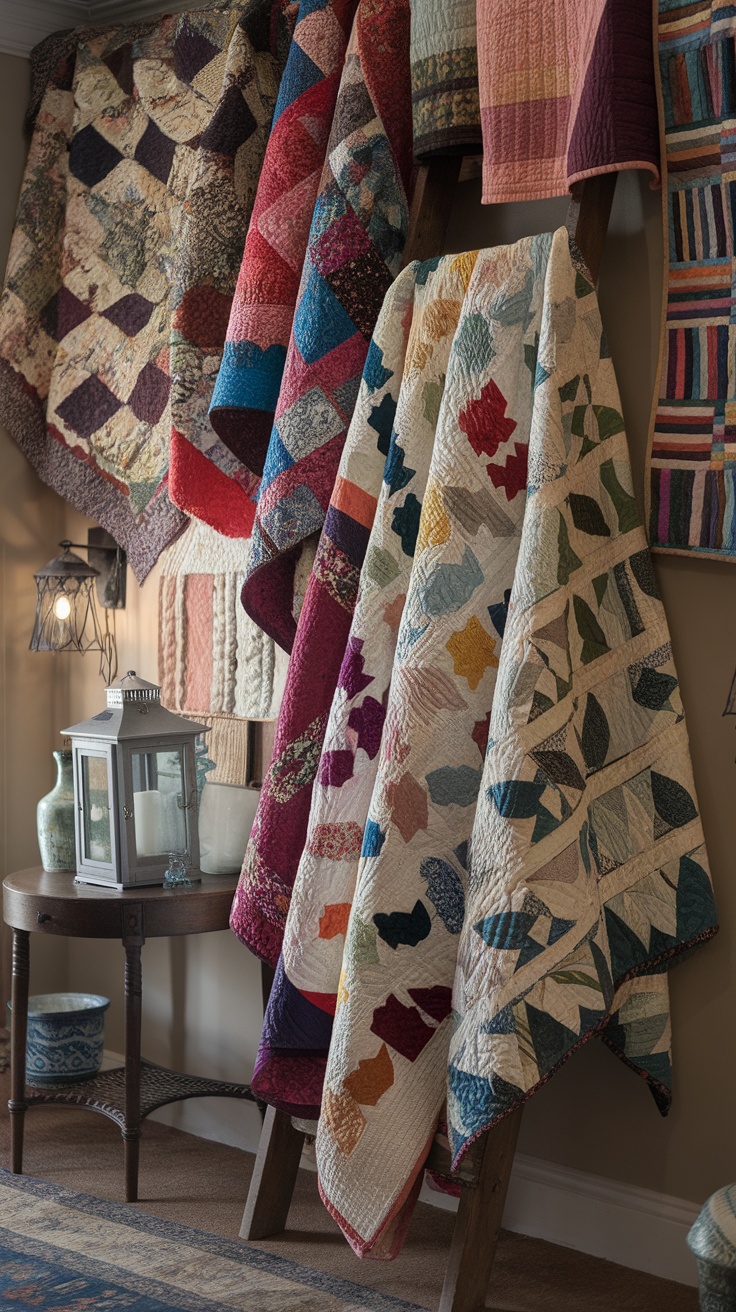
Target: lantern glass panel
{"type": "Point", "coordinates": [96, 809]}
{"type": "Point", "coordinates": [159, 801]}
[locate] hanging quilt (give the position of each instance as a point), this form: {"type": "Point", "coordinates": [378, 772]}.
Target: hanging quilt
{"type": "Point", "coordinates": [532, 837]}
{"type": "Point", "coordinates": [277, 838]}
{"type": "Point", "coordinates": [206, 480]}
{"type": "Point", "coordinates": [564, 99]}
{"type": "Point", "coordinates": [85, 316]}
{"type": "Point", "coordinates": [354, 251]}
{"type": "Point", "coordinates": [213, 660]}
{"type": "Point", "coordinates": [247, 386]}
{"type": "Point", "coordinates": [692, 444]}
{"type": "Point", "coordinates": [293, 1050]}
{"type": "Point", "coordinates": [444, 78]}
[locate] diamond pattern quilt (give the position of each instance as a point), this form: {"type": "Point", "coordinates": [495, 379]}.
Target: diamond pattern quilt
{"type": "Point", "coordinates": [355, 245]}
{"type": "Point", "coordinates": [85, 316]}
{"type": "Point", "coordinates": [262, 311]}
{"type": "Point", "coordinates": [206, 479]}
{"type": "Point", "coordinates": [277, 839]}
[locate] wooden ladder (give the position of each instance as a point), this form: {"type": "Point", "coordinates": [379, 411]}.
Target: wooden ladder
{"type": "Point", "coordinates": [486, 1169]}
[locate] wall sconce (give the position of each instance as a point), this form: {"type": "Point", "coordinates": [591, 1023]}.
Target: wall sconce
{"type": "Point", "coordinates": [66, 614]}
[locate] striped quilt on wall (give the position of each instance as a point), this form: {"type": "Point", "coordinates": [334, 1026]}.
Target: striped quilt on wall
{"type": "Point", "coordinates": [692, 452]}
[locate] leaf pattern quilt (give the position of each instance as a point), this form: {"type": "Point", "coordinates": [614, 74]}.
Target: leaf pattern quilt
{"type": "Point", "coordinates": [531, 853]}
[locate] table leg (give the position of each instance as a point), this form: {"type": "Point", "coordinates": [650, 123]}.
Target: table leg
{"type": "Point", "coordinates": [132, 941]}
{"type": "Point", "coordinates": [18, 1028]}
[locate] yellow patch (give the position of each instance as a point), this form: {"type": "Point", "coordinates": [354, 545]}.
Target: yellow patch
{"type": "Point", "coordinates": [472, 651]}
{"type": "Point", "coordinates": [434, 525]}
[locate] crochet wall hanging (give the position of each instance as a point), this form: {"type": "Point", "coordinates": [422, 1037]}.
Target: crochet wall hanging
{"type": "Point", "coordinates": [692, 446]}
{"type": "Point", "coordinates": [213, 660]}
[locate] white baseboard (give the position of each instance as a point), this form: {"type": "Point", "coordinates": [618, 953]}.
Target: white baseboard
{"type": "Point", "coordinates": [628, 1225]}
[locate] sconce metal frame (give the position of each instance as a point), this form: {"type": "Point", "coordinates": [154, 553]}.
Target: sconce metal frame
{"type": "Point", "coordinates": [66, 615]}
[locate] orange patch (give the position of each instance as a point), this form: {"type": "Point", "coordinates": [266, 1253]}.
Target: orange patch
{"type": "Point", "coordinates": [334, 919]}
{"type": "Point", "coordinates": [372, 1078]}
{"type": "Point", "coordinates": [353, 501]}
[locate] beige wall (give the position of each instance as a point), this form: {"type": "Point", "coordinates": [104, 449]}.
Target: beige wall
{"type": "Point", "coordinates": [32, 685]}
{"type": "Point", "coordinates": [595, 1115]}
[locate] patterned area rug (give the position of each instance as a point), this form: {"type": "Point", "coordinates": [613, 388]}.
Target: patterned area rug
{"type": "Point", "coordinates": [60, 1249]}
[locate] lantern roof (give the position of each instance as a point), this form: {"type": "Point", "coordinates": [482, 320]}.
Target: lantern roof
{"type": "Point", "coordinates": [133, 711]}
{"type": "Point", "coordinates": [67, 565]}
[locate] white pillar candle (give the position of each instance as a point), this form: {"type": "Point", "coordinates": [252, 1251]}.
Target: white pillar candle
{"type": "Point", "coordinates": [147, 815]}
{"type": "Point", "coordinates": [226, 817]}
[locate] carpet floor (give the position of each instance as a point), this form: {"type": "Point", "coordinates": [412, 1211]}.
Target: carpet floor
{"type": "Point", "coordinates": [199, 1183]}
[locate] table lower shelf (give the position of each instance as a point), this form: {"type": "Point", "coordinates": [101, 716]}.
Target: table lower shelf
{"type": "Point", "coordinates": [159, 1086]}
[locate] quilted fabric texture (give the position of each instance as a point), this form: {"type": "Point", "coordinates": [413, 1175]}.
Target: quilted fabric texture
{"type": "Point", "coordinates": [277, 838]}
{"type": "Point", "coordinates": [213, 660]}
{"type": "Point", "coordinates": [564, 99]}
{"type": "Point", "coordinates": [532, 855]}
{"type": "Point", "coordinates": [85, 316]}
{"type": "Point", "coordinates": [206, 479]}
{"type": "Point", "coordinates": [692, 449]}
{"type": "Point", "coordinates": [262, 312]}
{"type": "Point", "coordinates": [297, 1028]}
{"type": "Point", "coordinates": [354, 251]}
{"type": "Point", "coordinates": [444, 78]}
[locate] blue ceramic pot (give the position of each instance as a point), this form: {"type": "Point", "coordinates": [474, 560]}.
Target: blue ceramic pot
{"type": "Point", "coordinates": [712, 1240]}
{"type": "Point", "coordinates": [66, 1034]}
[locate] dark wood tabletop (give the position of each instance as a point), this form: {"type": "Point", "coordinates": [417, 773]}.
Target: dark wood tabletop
{"type": "Point", "coordinates": [52, 903]}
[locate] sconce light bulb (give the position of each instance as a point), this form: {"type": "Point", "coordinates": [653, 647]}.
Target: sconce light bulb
{"type": "Point", "coordinates": [62, 608]}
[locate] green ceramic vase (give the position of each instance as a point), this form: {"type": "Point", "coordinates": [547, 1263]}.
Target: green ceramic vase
{"type": "Point", "coordinates": [55, 819]}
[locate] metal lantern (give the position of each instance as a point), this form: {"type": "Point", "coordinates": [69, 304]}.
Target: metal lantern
{"type": "Point", "coordinates": [135, 788]}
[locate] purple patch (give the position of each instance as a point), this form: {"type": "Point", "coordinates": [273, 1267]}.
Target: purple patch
{"type": "Point", "coordinates": [192, 51]}
{"type": "Point", "coordinates": [352, 677]}
{"type": "Point", "coordinates": [335, 768]}
{"type": "Point", "coordinates": [437, 1001]}
{"type": "Point", "coordinates": [367, 721]}
{"type": "Point", "coordinates": [88, 407]}
{"type": "Point", "coordinates": [150, 394]}
{"type": "Point", "coordinates": [347, 534]}
{"type": "Point", "coordinates": [402, 1027]}
{"type": "Point", "coordinates": [130, 313]}
{"type": "Point", "coordinates": [155, 152]}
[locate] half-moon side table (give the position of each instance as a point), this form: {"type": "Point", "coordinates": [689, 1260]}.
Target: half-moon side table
{"type": "Point", "coordinates": [35, 900]}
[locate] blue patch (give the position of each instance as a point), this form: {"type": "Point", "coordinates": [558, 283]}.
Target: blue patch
{"type": "Point", "coordinates": [451, 586]}
{"type": "Point", "coordinates": [500, 613]}
{"type": "Point", "coordinates": [405, 523]}
{"type": "Point", "coordinates": [375, 373]}
{"type": "Point", "coordinates": [445, 891]}
{"type": "Point", "coordinates": [424, 268]}
{"type": "Point", "coordinates": [396, 474]}
{"type": "Point", "coordinates": [249, 378]}
{"type": "Point", "coordinates": [381, 420]}
{"type": "Point", "coordinates": [373, 839]}
{"type": "Point", "coordinates": [277, 459]}
{"type": "Point", "coordinates": [321, 323]}
{"type": "Point", "coordinates": [456, 784]}
{"type": "Point", "coordinates": [517, 799]}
